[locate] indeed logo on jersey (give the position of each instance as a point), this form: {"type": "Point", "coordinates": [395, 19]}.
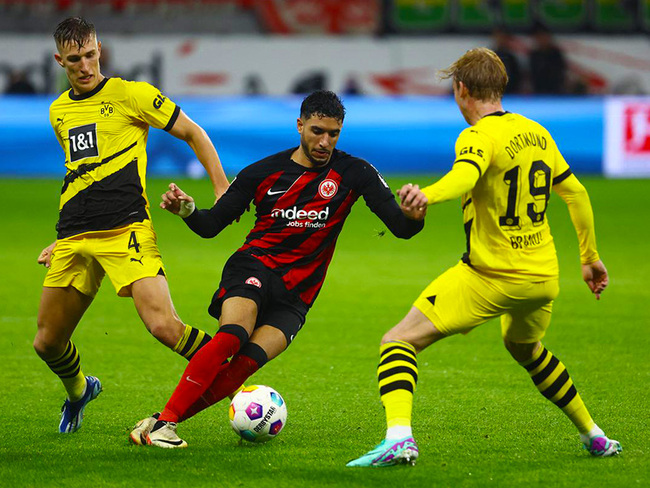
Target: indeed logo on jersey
{"type": "Point", "coordinates": [302, 218]}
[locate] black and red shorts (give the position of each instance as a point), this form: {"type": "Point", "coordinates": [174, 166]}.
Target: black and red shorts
{"type": "Point", "coordinates": [247, 277]}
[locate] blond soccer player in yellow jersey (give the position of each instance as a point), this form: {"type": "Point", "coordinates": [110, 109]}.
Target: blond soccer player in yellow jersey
{"type": "Point", "coordinates": [104, 225]}
{"type": "Point", "coordinates": [505, 168]}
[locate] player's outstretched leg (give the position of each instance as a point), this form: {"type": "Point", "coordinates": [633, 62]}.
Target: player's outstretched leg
{"type": "Point", "coordinates": [553, 381]}
{"type": "Point", "coordinates": [72, 413]}
{"type": "Point", "coordinates": [397, 374]}
{"type": "Point", "coordinates": [163, 434]}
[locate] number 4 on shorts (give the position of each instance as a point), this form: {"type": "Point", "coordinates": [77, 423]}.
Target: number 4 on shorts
{"type": "Point", "coordinates": [133, 242]}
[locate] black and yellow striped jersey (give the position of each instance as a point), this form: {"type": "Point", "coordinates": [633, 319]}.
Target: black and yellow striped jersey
{"type": "Point", "coordinates": [104, 136]}
{"type": "Point", "coordinates": [505, 213]}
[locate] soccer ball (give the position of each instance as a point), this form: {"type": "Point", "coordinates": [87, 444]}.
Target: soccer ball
{"type": "Point", "coordinates": [257, 413]}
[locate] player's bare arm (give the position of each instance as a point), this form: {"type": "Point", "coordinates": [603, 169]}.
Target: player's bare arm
{"type": "Point", "coordinates": [45, 257]}
{"type": "Point", "coordinates": [186, 129]}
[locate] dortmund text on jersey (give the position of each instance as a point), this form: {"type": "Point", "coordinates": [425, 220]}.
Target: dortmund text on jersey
{"type": "Point", "coordinates": [505, 213]}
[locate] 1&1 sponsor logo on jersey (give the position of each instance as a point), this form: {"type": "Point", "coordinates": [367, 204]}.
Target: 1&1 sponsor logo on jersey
{"type": "Point", "coordinates": [83, 142]}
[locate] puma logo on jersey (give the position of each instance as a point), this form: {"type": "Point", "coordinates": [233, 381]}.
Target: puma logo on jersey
{"type": "Point", "coordinates": [138, 260]}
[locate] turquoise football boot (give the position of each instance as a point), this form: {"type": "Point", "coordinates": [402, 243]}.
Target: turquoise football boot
{"type": "Point", "coordinates": [389, 453]}
{"type": "Point", "coordinates": [601, 446]}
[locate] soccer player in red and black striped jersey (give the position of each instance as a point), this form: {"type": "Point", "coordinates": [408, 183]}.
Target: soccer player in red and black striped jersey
{"type": "Point", "coordinates": [302, 197]}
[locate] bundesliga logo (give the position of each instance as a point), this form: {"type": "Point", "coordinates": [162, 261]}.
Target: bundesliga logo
{"type": "Point", "coordinates": [254, 281]}
{"type": "Point", "coordinates": [328, 188]}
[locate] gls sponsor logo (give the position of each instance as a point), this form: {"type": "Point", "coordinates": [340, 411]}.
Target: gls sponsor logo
{"type": "Point", "coordinates": [301, 218]}
{"type": "Point", "coordinates": [158, 101]}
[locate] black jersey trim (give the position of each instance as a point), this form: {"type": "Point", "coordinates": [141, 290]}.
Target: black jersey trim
{"type": "Point", "coordinates": [468, 230]}
{"type": "Point", "coordinates": [172, 120]}
{"type": "Point", "coordinates": [480, 173]}
{"type": "Point", "coordinates": [111, 202]}
{"type": "Point", "coordinates": [562, 177]}
{"type": "Point", "coordinates": [85, 168]}
{"type": "Point", "coordinates": [83, 96]}
{"type": "Point", "coordinates": [469, 200]}
{"type": "Point", "coordinates": [498, 113]}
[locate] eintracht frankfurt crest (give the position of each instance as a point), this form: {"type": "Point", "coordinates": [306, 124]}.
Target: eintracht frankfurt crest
{"type": "Point", "coordinates": [328, 188]}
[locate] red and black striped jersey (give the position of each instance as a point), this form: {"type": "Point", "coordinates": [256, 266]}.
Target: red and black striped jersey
{"type": "Point", "coordinates": [300, 213]}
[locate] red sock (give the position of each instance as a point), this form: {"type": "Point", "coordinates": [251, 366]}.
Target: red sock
{"type": "Point", "coordinates": [201, 371]}
{"type": "Point", "coordinates": [202, 403]}
{"type": "Point", "coordinates": [231, 377]}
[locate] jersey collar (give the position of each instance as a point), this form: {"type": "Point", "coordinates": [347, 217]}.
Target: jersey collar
{"type": "Point", "coordinates": [89, 94]}
{"type": "Point", "coordinates": [497, 114]}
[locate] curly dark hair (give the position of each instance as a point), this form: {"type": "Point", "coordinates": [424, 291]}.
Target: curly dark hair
{"type": "Point", "coordinates": [74, 29]}
{"type": "Point", "coordinates": [323, 103]}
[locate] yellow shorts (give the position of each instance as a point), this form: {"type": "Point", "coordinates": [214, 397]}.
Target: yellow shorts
{"type": "Point", "coordinates": [126, 254]}
{"type": "Point", "coordinates": [462, 298]}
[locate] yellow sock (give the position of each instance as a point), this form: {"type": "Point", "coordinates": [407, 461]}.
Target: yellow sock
{"type": "Point", "coordinates": [553, 381]}
{"type": "Point", "coordinates": [397, 374]}
{"type": "Point", "coordinates": [191, 341]}
{"type": "Point", "coordinates": [68, 368]}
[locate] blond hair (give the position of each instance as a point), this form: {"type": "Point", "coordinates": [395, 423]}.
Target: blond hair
{"type": "Point", "coordinates": [481, 71]}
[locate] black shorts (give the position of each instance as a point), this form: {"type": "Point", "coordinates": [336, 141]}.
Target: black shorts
{"type": "Point", "coordinates": [247, 277]}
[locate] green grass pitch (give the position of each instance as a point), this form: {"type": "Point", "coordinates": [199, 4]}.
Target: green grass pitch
{"type": "Point", "coordinates": [478, 419]}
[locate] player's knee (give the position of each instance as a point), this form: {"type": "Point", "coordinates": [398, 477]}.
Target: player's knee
{"type": "Point", "coordinates": [48, 347]}
{"type": "Point", "coordinates": [168, 331]}
{"type": "Point", "coordinates": [521, 352]}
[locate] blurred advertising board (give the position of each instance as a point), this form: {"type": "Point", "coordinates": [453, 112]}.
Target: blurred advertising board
{"type": "Point", "coordinates": [282, 65]}
{"type": "Point", "coordinates": [627, 137]}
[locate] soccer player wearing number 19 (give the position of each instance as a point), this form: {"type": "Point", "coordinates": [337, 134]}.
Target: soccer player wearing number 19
{"type": "Point", "coordinates": [505, 168]}
{"type": "Point", "coordinates": [104, 225]}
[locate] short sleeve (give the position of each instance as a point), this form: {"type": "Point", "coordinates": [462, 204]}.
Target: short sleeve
{"type": "Point", "coordinates": [152, 107]}
{"type": "Point", "coordinates": [475, 148]}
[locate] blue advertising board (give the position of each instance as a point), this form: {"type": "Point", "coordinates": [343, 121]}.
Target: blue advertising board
{"type": "Point", "coordinates": [397, 135]}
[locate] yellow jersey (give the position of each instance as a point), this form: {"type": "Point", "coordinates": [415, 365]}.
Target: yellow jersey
{"type": "Point", "coordinates": [103, 134]}
{"type": "Point", "coordinates": [504, 214]}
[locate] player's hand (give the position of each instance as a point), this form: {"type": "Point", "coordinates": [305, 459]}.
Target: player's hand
{"type": "Point", "coordinates": [45, 257]}
{"type": "Point", "coordinates": [413, 202]}
{"type": "Point", "coordinates": [177, 201]}
{"type": "Point", "coordinates": [414, 213]}
{"type": "Point", "coordinates": [596, 277]}
{"type": "Point", "coordinates": [412, 196]}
